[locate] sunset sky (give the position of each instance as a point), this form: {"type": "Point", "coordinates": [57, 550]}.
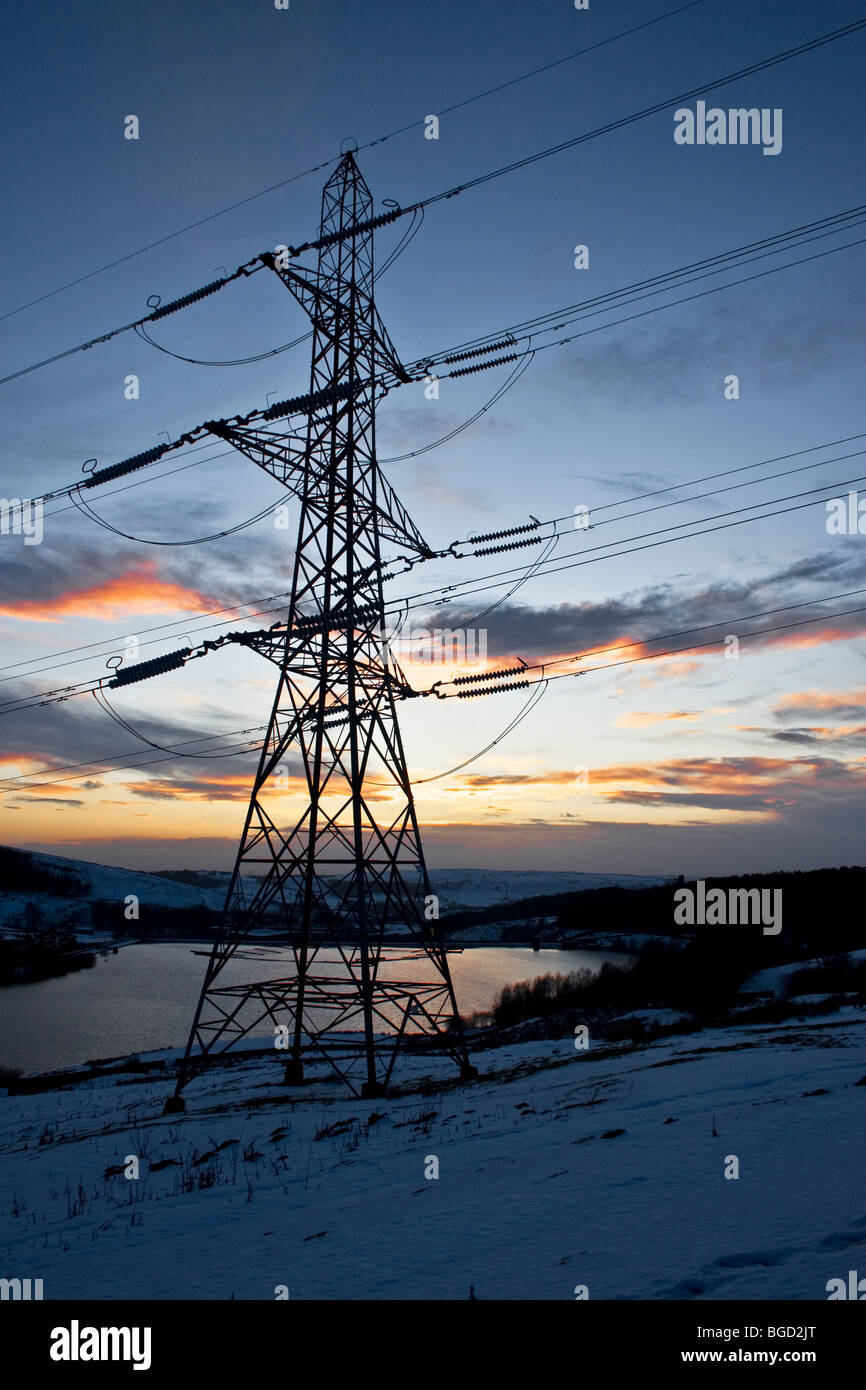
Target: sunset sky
{"type": "Point", "coordinates": [698, 763]}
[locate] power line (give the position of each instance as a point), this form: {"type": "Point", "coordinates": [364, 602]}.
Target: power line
{"type": "Point", "coordinates": [258, 603]}
{"type": "Point", "coordinates": [104, 765]}
{"type": "Point", "coordinates": [316, 168]}
{"type": "Point", "coordinates": [96, 766]}
{"type": "Point", "coordinates": [715, 289]}
{"type": "Point", "coordinates": [18, 704]}
{"type": "Point", "coordinates": [87, 511]}
{"type": "Point", "coordinates": [267, 258]}
{"type": "Point", "coordinates": [534, 699]}
{"type": "Point", "coordinates": [545, 666]}
{"type": "Point", "coordinates": [746, 254]}
{"type": "Point", "coordinates": [702, 496]}
{"type": "Point", "coordinates": [287, 408]}
{"type": "Point", "coordinates": [727, 473]}
{"type": "Point", "coordinates": [159, 627]}
{"type": "Point", "coordinates": [645, 111]}
{"type": "Point", "coordinates": [159, 312]}
{"type": "Point", "coordinates": [470, 588]}
{"type": "Point", "coordinates": [653, 656]}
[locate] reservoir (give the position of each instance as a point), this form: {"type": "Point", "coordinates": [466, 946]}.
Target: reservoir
{"type": "Point", "coordinates": [143, 998]}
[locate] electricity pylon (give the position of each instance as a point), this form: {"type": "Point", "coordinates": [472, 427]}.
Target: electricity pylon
{"type": "Point", "coordinates": [349, 871]}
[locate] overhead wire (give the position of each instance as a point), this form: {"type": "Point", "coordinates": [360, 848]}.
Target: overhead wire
{"type": "Point", "coordinates": [676, 651]}
{"type": "Point", "coordinates": [422, 598]}
{"type": "Point", "coordinates": [579, 656]}
{"type": "Point", "coordinates": [20, 703]}
{"type": "Point", "coordinates": [760, 249]}
{"type": "Point", "coordinates": [87, 511]}
{"type": "Point", "coordinates": [143, 460]}
{"type": "Point", "coordinates": [408, 236]}
{"type": "Point", "coordinates": [512, 379]}
{"type": "Point", "coordinates": [471, 587]}
{"type": "Point", "coordinates": [476, 182]}
{"type": "Point", "coordinates": [699, 497]}
{"type": "Point", "coordinates": [534, 699]}
{"type": "Point", "coordinates": [326, 164]}
{"type": "Point", "coordinates": [545, 154]}
{"type": "Point", "coordinates": [95, 766]}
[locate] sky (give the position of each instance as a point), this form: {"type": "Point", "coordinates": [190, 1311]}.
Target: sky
{"type": "Point", "coordinates": [733, 758]}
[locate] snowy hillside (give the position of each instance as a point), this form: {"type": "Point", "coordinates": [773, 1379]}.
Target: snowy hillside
{"type": "Point", "coordinates": [556, 1169]}
{"type": "Point", "coordinates": [458, 889]}
{"type": "Point", "coordinates": [461, 889]}
{"type": "Point", "coordinates": [100, 884]}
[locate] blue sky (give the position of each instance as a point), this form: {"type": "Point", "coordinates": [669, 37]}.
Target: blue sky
{"type": "Point", "coordinates": [699, 765]}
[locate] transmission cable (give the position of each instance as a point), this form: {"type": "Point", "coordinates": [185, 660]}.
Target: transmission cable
{"type": "Point", "coordinates": [535, 697]}
{"type": "Point", "coordinates": [149, 457]}
{"type": "Point", "coordinates": [257, 604]}
{"type": "Point", "coordinates": [425, 598]}
{"type": "Point", "coordinates": [87, 511]}
{"type": "Point", "coordinates": [481, 179]}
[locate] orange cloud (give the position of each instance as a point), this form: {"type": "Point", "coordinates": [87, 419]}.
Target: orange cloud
{"type": "Point", "coordinates": [742, 774]}
{"type": "Point", "coordinates": [201, 787]}
{"type": "Point", "coordinates": [136, 590]}
{"type": "Point", "coordinates": [479, 782]}
{"type": "Point", "coordinates": [814, 637]}
{"type": "Point", "coordinates": [638, 719]}
{"type": "Point", "coordinates": [829, 701]}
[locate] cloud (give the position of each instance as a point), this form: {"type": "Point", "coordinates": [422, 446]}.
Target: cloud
{"type": "Point", "coordinates": [480, 782]}
{"type": "Point", "coordinates": [684, 359]}
{"type": "Point", "coordinates": [771, 785]}
{"type": "Point", "coordinates": [821, 704]}
{"type": "Point", "coordinates": [639, 719]}
{"type": "Point", "coordinates": [54, 800]}
{"type": "Point", "coordinates": [182, 786]}
{"type": "Point", "coordinates": [139, 589]}
{"type": "Point", "coordinates": [68, 576]}
{"type": "Point", "coordinates": [74, 736]}
{"type": "Point", "coordinates": [810, 735]}
{"type": "Point", "coordinates": [624, 626]}
{"type": "Point", "coordinates": [635, 481]}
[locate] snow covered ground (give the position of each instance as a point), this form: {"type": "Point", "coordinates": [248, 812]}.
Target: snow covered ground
{"type": "Point", "coordinates": [556, 1168]}
{"type": "Point", "coordinates": [458, 889]}
{"type": "Point", "coordinates": [772, 980]}
{"type": "Point", "coordinates": [462, 889]}
{"type": "Point", "coordinates": [103, 883]}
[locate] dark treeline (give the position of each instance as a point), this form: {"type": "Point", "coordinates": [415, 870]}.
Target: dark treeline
{"type": "Point", "coordinates": [154, 920]}
{"type": "Point", "coordinates": [700, 969]}
{"type": "Point", "coordinates": [213, 879]}
{"type": "Point", "coordinates": [822, 910]}
{"type": "Point", "coordinates": [702, 978]}
{"type": "Point", "coordinates": [24, 961]}
{"type": "Point", "coordinates": [21, 872]}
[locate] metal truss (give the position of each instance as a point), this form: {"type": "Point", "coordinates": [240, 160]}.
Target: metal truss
{"type": "Point", "coordinates": [344, 886]}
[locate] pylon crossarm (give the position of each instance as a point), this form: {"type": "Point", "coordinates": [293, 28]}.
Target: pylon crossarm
{"type": "Point", "coordinates": [314, 298]}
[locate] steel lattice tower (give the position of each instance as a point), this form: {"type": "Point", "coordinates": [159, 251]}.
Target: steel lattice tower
{"type": "Point", "coordinates": [350, 868]}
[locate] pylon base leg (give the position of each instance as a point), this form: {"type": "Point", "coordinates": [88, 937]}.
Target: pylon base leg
{"type": "Point", "coordinates": [468, 1072]}
{"type": "Point", "coordinates": [175, 1105]}
{"type": "Point", "coordinates": [294, 1074]}
{"type": "Point", "coordinates": [372, 1090]}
